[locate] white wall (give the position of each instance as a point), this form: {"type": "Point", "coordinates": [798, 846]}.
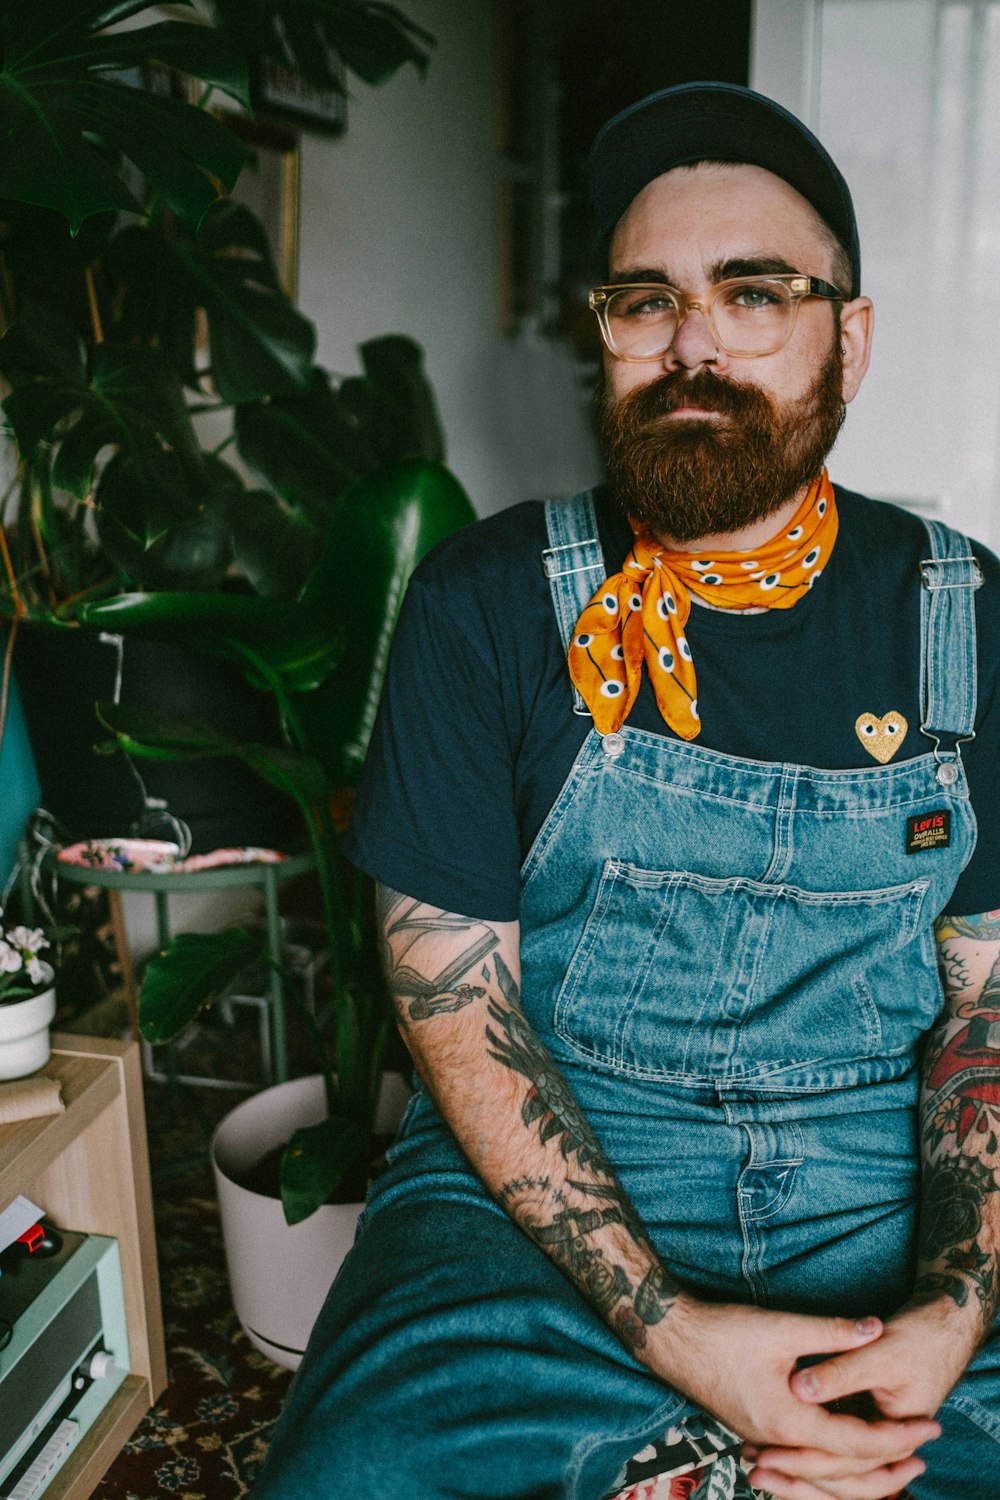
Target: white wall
{"type": "Point", "coordinates": [903, 94]}
{"type": "Point", "coordinates": [399, 234]}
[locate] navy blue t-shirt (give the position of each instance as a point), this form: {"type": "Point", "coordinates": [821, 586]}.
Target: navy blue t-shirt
{"type": "Point", "coordinates": [476, 734]}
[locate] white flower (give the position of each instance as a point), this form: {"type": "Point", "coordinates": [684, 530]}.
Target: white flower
{"type": "Point", "coordinates": [28, 939]}
{"type": "Point", "coordinates": [10, 959]}
{"type": "Point", "coordinates": [36, 970]}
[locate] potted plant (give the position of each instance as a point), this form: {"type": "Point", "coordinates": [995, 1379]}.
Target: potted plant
{"type": "Point", "coordinates": [27, 999]}
{"type": "Point", "coordinates": [135, 297]}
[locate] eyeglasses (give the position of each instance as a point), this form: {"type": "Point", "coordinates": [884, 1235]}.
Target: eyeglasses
{"type": "Point", "coordinates": [748, 316]}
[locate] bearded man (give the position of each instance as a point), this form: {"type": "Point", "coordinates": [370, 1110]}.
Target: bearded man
{"type": "Point", "coordinates": [674, 786]}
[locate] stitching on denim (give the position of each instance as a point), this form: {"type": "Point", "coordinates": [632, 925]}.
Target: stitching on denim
{"type": "Point", "coordinates": [664, 1417]}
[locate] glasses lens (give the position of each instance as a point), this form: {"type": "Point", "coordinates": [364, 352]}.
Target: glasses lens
{"type": "Point", "coordinates": [752, 317]}
{"type": "Point", "coordinates": [642, 320]}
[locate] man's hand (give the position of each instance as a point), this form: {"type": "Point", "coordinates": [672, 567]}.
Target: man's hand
{"type": "Point", "coordinates": [907, 1372]}
{"type": "Point", "coordinates": [741, 1364]}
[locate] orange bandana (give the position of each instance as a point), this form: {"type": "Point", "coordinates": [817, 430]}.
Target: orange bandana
{"type": "Point", "coordinates": [640, 613]}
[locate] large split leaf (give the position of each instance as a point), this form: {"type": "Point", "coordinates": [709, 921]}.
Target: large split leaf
{"type": "Point", "coordinates": [259, 342]}
{"type": "Point", "coordinates": [372, 38]}
{"type": "Point", "coordinates": [129, 400]}
{"type": "Point", "coordinates": [67, 121]}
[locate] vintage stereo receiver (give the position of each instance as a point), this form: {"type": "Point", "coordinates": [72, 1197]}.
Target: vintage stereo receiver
{"type": "Point", "coordinates": [63, 1353]}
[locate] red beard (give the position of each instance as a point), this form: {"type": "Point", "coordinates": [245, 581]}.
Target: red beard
{"type": "Point", "coordinates": [694, 478]}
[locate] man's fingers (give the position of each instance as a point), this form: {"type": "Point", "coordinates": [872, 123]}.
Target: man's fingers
{"type": "Point", "coordinates": [844, 1375]}
{"type": "Point", "coordinates": [815, 1463]}
{"type": "Point", "coordinates": [874, 1442]}
{"type": "Point", "coordinates": [831, 1335]}
{"type": "Point", "coordinates": [876, 1484]}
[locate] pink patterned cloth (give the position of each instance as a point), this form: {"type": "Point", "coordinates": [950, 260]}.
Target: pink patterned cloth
{"type": "Point", "coordinates": [132, 856]}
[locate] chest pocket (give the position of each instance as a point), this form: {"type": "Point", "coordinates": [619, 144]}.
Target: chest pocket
{"type": "Point", "coordinates": [678, 976]}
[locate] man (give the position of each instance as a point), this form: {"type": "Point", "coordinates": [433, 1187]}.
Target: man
{"type": "Point", "coordinates": [661, 937]}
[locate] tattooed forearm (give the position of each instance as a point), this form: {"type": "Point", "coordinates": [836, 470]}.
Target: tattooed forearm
{"type": "Point", "coordinates": [455, 986]}
{"type": "Point", "coordinates": [960, 1123]}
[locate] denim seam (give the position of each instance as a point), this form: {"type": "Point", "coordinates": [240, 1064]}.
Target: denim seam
{"type": "Point", "coordinates": [663, 1418]}
{"type": "Point", "coordinates": [976, 1413]}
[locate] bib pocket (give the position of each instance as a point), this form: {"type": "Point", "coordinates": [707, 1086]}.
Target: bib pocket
{"type": "Point", "coordinates": [681, 976]}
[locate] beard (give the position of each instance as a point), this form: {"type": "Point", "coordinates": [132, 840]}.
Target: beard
{"type": "Point", "coordinates": [693, 479]}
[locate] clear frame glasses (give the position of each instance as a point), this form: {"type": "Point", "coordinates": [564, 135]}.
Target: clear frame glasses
{"type": "Point", "coordinates": [749, 315]}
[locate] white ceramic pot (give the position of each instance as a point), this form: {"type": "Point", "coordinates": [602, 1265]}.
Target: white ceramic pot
{"type": "Point", "coordinates": [280, 1273]}
{"type": "Point", "coordinates": [24, 1032]}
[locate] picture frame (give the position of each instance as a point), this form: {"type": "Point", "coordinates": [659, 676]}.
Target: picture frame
{"type": "Point", "coordinates": [275, 91]}
{"type": "Point", "coordinates": [271, 190]}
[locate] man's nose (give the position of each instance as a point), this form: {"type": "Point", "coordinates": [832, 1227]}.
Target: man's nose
{"type": "Point", "coordinates": [694, 343]}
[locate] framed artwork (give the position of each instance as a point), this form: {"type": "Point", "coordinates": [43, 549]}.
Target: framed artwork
{"type": "Point", "coordinates": [270, 189]}
{"type": "Point", "coordinates": [275, 90]}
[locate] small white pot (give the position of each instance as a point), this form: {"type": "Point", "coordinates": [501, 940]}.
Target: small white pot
{"type": "Point", "coordinates": [280, 1273]}
{"type": "Point", "coordinates": [24, 1032]}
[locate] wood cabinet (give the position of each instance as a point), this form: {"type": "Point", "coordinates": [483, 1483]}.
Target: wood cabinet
{"type": "Point", "coordinates": [88, 1168]}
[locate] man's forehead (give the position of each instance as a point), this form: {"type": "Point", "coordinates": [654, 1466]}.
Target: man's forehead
{"type": "Point", "coordinates": [723, 211]}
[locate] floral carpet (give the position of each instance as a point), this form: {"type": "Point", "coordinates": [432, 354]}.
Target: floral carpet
{"type": "Point", "coordinates": [207, 1437]}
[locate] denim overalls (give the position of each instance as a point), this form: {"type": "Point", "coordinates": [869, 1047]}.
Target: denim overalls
{"type": "Point", "coordinates": [733, 962]}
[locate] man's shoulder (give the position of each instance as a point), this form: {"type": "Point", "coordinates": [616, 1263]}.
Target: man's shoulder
{"type": "Point", "coordinates": [879, 525]}
{"type": "Point", "coordinates": [494, 551]}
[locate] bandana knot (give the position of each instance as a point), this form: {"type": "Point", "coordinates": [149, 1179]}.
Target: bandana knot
{"type": "Point", "coordinates": [640, 613]}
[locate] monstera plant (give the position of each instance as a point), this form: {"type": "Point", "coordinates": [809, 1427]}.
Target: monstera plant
{"type": "Point", "coordinates": [135, 298]}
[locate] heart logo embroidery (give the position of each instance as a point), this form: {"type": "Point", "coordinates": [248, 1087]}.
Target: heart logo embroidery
{"type": "Point", "coordinates": [881, 737]}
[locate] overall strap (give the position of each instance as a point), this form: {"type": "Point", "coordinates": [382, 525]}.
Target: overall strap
{"type": "Point", "coordinates": [574, 565]}
{"type": "Point", "coordinates": [949, 578]}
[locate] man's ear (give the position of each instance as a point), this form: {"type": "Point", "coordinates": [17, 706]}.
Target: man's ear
{"type": "Point", "coordinates": [857, 319]}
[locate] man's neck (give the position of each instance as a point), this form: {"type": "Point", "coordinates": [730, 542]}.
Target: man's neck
{"type": "Point", "coordinates": [744, 540]}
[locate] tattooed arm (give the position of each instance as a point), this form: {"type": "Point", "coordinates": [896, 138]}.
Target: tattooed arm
{"type": "Point", "coordinates": [929, 1342]}
{"type": "Point", "coordinates": [455, 982]}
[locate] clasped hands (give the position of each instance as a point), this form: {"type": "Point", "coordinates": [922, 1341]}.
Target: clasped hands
{"type": "Point", "coordinates": [745, 1364]}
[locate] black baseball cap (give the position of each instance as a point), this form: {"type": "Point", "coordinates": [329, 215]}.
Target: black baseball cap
{"type": "Point", "coordinates": [715, 122]}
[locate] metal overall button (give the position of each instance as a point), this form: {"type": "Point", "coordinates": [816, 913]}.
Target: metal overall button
{"type": "Point", "coordinates": [947, 773]}
{"type": "Point", "coordinates": [614, 745]}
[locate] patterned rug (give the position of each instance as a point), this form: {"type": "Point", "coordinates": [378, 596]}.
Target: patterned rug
{"type": "Point", "coordinates": [206, 1438]}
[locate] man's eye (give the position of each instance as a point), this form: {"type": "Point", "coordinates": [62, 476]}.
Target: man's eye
{"type": "Point", "coordinates": [752, 295]}
{"type": "Point", "coordinates": [643, 305]}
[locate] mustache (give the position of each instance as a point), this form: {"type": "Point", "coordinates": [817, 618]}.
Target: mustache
{"type": "Point", "coordinates": [704, 388]}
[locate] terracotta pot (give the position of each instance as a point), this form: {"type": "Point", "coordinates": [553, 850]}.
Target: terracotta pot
{"type": "Point", "coordinates": [280, 1273]}
{"type": "Point", "coordinates": [24, 1032]}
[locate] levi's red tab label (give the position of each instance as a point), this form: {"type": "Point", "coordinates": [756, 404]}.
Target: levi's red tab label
{"type": "Point", "coordinates": [930, 830]}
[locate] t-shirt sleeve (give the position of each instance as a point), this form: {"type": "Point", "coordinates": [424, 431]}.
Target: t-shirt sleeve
{"type": "Point", "coordinates": [978, 888]}
{"type": "Point", "coordinates": [435, 813]}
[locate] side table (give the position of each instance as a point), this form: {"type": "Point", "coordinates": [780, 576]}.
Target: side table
{"type": "Point", "coordinates": [264, 877]}
{"type": "Point", "coordinates": [88, 1169]}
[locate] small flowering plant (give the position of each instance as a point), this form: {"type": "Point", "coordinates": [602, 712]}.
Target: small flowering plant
{"type": "Point", "coordinates": [23, 973]}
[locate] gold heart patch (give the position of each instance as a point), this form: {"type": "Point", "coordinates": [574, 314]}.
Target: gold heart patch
{"type": "Point", "coordinates": [881, 737]}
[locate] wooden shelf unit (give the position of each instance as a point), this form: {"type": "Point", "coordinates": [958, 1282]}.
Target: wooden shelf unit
{"type": "Point", "coordinates": [88, 1168]}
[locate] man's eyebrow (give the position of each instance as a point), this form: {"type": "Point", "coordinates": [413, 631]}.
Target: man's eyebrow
{"type": "Point", "coordinates": [721, 270]}
{"type": "Point", "coordinates": [754, 265]}
{"type": "Point", "coordinates": [639, 274]}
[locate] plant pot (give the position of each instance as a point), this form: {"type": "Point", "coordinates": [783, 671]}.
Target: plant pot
{"type": "Point", "coordinates": [280, 1273]}
{"type": "Point", "coordinates": [24, 1032]}
{"type": "Point", "coordinates": [222, 802]}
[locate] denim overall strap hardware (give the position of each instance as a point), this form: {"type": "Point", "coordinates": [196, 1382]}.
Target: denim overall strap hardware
{"type": "Point", "coordinates": [949, 579]}
{"type": "Point", "coordinates": [574, 565]}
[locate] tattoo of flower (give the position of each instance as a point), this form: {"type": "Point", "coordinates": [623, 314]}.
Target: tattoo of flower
{"type": "Point", "coordinates": [953, 1196]}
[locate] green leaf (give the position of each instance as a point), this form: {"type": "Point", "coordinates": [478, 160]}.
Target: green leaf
{"type": "Point", "coordinates": [67, 124]}
{"type": "Point", "coordinates": [275, 547]}
{"type": "Point", "coordinates": [298, 641]}
{"type": "Point", "coordinates": [315, 1161]}
{"type": "Point", "coordinates": [194, 554]}
{"type": "Point", "coordinates": [147, 733]}
{"type": "Point", "coordinates": [394, 366]}
{"type": "Point", "coordinates": [189, 975]}
{"type": "Point", "coordinates": [305, 448]}
{"type": "Point", "coordinates": [374, 40]}
{"type": "Point", "coordinates": [389, 520]}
